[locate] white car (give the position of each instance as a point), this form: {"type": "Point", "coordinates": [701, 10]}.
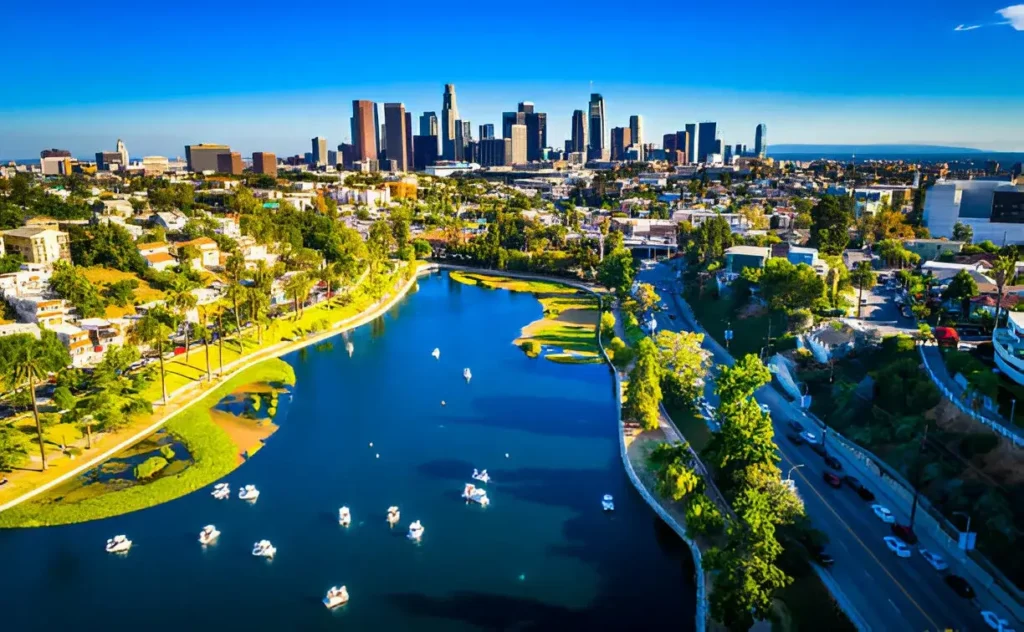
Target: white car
{"type": "Point", "coordinates": [934, 559]}
{"type": "Point", "coordinates": [883, 514]}
{"type": "Point", "coordinates": [993, 621]}
{"type": "Point", "coordinates": [765, 409]}
{"type": "Point", "coordinates": [897, 546]}
{"type": "Point", "coordinates": [809, 437]}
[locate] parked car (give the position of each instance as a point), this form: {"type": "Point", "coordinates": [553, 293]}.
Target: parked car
{"type": "Point", "coordinates": [765, 409]}
{"type": "Point", "coordinates": [819, 449]}
{"type": "Point", "coordinates": [795, 439]}
{"type": "Point", "coordinates": [671, 316]}
{"type": "Point", "coordinates": [809, 437]}
{"type": "Point", "coordinates": [934, 559]}
{"type": "Point", "coordinates": [796, 426]}
{"type": "Point", "coordinates": [960, 586]}
{"type": "Point", "coordinates": [823, 558]}
{"type": "Point", "coordinates": [833, 462]}
{"type": "Point", "coordinates": [862, 491]}
{"type": "Point", "coordinates": [904, 532]}
{"type": "Point", "coordinates": [883, 514]}
{"type": "Point", "coordinates": [832, 480]}
{"type": "Point", "coordinates": [897, 546]}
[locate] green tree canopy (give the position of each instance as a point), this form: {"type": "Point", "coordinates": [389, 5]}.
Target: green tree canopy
{"type": "Point", "coordinates": [786, 286]}
{"type": "Point", "coordinates": [831, 218]}
{"type": "Point", "coordinates": [643, 392]}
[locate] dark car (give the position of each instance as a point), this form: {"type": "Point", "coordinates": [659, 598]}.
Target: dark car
{"type": "Point", "coordinates": [823, 558]}
{"type": "Point", "coordinates": [905, 533]}
{"type": "Point", "coordinates": [832, 480]}
{"type": "Point", "coordinates": [833, 462]}
{"type": "Point", "coordinates": [672, 316]}
{"type": "Point", "coordinates": [795, 439]}
{"type": "Point", "coordinates": [818, 448]}
{"type": "Point", "coordinates": [960, 586]}
{"type": "Point", "coordinates": [796, 426]}
{"type": "Point", "coordinates": [862, 491]}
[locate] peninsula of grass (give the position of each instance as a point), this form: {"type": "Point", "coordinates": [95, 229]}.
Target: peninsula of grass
{"type": "Point", "coordinates": [569, 323]}
{"type": "Point", "coordinates": [213, 452]}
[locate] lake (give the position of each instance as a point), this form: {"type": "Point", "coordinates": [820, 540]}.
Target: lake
{"type": "Point", "coordinates": [542, 556]}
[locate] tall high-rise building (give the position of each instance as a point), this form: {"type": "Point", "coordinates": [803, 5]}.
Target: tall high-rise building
{"type": "Point", "coordinates": [691, 146]}
{"type": "Point", "coordinates": [409, 133]}
{"type": "Point", "coordinates": [486, 131]}
{"type": "Point", "coordinates": [706, 136]}
{"type": "Point", "coordinates": [121, 149]}
{"type": "Point", "coordinates": [495, 152]}
{"type": "Point", "coordinates": [394, 124]}
{"type": "Point", "coordinates": [364, 130]}
{"type": "Point", "coordinates": [428, 124]}
{"type": "Point", "coordinates": [508, 119]}
{"type": "Point", "coordinates": [621, 139]}
{"type": "Point", "coordinates": [636, 129]}
{"type": "Point", "coordinates": [449, 114]}
{"type": "Point", "coordinates": [55, 153]}
{"type": "Point", "coordinates": [265, 163]}
{"type": "Point", "coordinates": [230, 162]}
{"type": "Point", "coordinates": [579, 132]}
{"type": "Point", "coordinates": [595, 150]}
{"type": "Point", "coordinates": [203, 157]}
{"type": "Point", "coordinates": [424, 151]}
{"type": "Point", "coordinates": [319, 151]}
{"type": "Point", "coordinates": [761, 140]}
{"type": "Point", "coordinates": [463, 135]}
{"type": "Point", "coordinates": [683, 145]}
{"type": "Point", "coordinates": [518, 144]}
{"type": "Point", "coordinates": [536, 132]}
{"type": "Point", "coordinates": [728, 154]}
{"type": "Point", "coordinates": [718, 146]}
{"type": "Point", "coordinates": [526, 107]}
{"type": "Point", "coordinates": [670, 142]}
{"type": "Point", "coordinates": [737, 150]}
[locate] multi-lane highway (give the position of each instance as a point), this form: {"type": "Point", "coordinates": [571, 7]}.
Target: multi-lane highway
{"type": "Point", "coordinates": [887, 592]}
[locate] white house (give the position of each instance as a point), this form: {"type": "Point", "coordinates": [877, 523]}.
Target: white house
{"type": "Point", "coordinates": [171, 221]}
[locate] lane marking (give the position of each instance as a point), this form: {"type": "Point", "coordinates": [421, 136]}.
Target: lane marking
{"type": "Point", "coordinates": [893, 606]}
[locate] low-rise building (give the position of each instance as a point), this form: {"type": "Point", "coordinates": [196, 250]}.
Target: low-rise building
{"type": "Point", "coordinates": [171, 221]}
{"type": "Point", "coordinates": [38, 244]}
{"type": "Point", "coordinates": [105, 332]}
{"type": "Point", "coordinates": [209, 252]}
{"type": "Point", "coordinates": [78, 343]}
{"type": "Point", "coordinates": [41, 308]}
{"type": "Point", "coordinates": [932, 249]}
{"type": "Point", "coordinates": [1008, 343]}
{"type": "Point", "coordinates": [739, 257]}
{"type": "Point", "coordinates": [12, 329]}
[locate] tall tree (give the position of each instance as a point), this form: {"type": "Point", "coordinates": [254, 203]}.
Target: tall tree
{"type": "Point", "coordinates": [962, 287]}
{"type": "Point", "coordinates": [643, 392]}
{"type": "Point", "coordinates": [27, 362]}
{"type": "Point", "coordinates": [297, 287]}
{"type": "Point", "coordinates": [685, 362]}
{"type": "Point", "coordinates": [235, 267]}
{"type": "Point", "coordinates": [862, 276]}
{"type": "Point", "coordinates": [646, 298]}
{"type": "Point", "coordinates": [617, 272]}
{"type": "Point", "coordinates": [151, 330]}
{"type": "Point", "coordinates": [1003, 269]}
{"type": "Point", "coordinates": [963, 232]}
{"type": "Point", "coordinates": [181, 303]}
{"type": "Point", "coordinates": [831, 218]}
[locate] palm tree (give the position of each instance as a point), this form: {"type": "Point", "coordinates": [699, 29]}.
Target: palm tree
{"type": "Point", "coordinates": [862, 276]}
{"type": "Point", "coordinates": [1003, 269]}
{"type": "Point", "coordinates": [205, 335]}
{"type": "Point", "coordinates": [258, 296]}
{"type": "Point", "coordinates": [150, 330]}
{"type": "Point", "coordinates": [298, 287]}
{"type": "Point", "coordinates": [329, 274]}
{"type": "Point", "coordinates": [235, 266]}
{"type": "Point", "coordinates": [182, 303]}
{"type": "Point", "coordinates": [29, 367]}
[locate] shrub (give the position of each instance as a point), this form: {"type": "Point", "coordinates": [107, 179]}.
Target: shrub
{"type": "Point", "coordinates": [608, 325]}
{"type": "Point", "coordinates": [149, 467]}
{"type": "Point", "coordinates": [167, 452]}
{"type": "Point", "coordinates": [702, 517]}
{"type": "Point", "coordinates": [531, 347]}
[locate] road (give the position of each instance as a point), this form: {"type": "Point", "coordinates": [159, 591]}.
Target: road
{"type": "Point", "coordinates": [888, 593]}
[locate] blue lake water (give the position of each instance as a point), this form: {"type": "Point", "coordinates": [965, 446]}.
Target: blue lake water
{"type": "Point", "coordinates": [542, 556]}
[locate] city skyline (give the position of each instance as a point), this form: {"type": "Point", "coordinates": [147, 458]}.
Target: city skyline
{"type": "Point", "coordinates": [876, 96]}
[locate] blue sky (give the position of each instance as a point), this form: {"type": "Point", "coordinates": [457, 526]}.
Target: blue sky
{"type": "Point", "coordinates": [161, 75]}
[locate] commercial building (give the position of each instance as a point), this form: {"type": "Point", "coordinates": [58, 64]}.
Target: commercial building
{"type": "Point", "coordinates": [518, 144]}
{"type": "Point", "coordinates": [155, 165]}
{"type": "Point", "coordinates": [319, 152]}
{"type": "Point", "coordinates": [621, 139]}
{"type": "Point", "coordinates": [508, 119]}
{"type": "Point", "coordinates": [636, 129]}
{"type": "Point", "coordinates": [578, 143]}
{"type": "Point", "coordinates": [203, 157]}
{"type": "Point", "coordinates": [990, 207]}
{"type": "Point", "coordinates": [55, 166]}
{"type": "Point", "coordinates": [397, 143]}
{"type": "Point", "coordinates": [463, 136]}
{"type": "Point", "coordinates": [449, 114]}
{"type": "Point", "coordinates": [55, 153]}
{"type": "Point", "coordinates": [595, 151]}
{"type": "Point", "coordinates": [424, 151]}
{"type": "Point", "coordinates": [761, 140]}
{"type": "Point", "coordinates": [230, 162]}
{"type": "Point", "coordinates": [669, 143]}
{"type": "Point", "coordinates": [428, 124]}
{"type": "Point", "coordinates": [486, 131]}
{"type": "Point", "coordinates": [108, 161]}
{"type": "Point", "coordinates": [495, 152]}
{"type": "Point", "coordinates": [364, 130]}
{"type": "Point", "coordinates": [37, 244]}
{"type": "Point", "coordinates": [691, 143]}
{"type": "Point", "coordinates": [706, 137]}
{"type": "Point", "coordinates": [265, 163]}
{"type": "Point", "coordinates": [409, 134]}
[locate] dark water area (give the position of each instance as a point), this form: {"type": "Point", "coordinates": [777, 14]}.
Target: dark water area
{"type": "Point", "coordinates": [973, 159]}
{"type": "Point", "coordinates": [542, 556]}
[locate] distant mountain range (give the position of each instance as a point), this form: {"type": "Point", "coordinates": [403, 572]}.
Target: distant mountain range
{"type": "Point", "coordinates": [888, 150]}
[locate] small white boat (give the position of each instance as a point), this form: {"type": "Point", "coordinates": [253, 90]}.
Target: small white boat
{"type": "Point", "coordinates": [344, 517]}
{"type": "Point", "coordinates": [415, 531]}
{"type": "Point", "coordinates": [437, 354]}
{"type": "Point", "coordinates": [336, 597]}
{"type": "Point", "coordinates": [221, 491]}
{"type": "Point", "coordinates": [476, 494]}
{"type": "Point", "coordinates": [264, 548]}
{"type": "Point", "coordinates": [350, 348]}
{"type": "Point", "coordinates": [466, 373]}
{"type": "Point", "coordinates": [208, 534]}
{"type": "Point", "coordinates": [393, 515]}
{"type": "Point", "coordinates": [483, 476]}
{"type": "Point", "coordinates": [118, 544]}
{"type": "Point", "coordinates": [249, 492]}
{"type": "Point", "coordinates": [608, 503]}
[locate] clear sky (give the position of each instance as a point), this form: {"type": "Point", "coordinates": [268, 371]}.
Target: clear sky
{"type": "Point", "coordinates": [162, 75]}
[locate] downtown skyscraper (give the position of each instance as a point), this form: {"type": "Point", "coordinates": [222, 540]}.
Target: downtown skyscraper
{"type": "Point", "coordinates": [449, 114]}
{"type": "Point", "coordinates": [579, 132]}
{"type": "Point", "coordinates": [761, 140]}
{"type": "Point", "coordinates": [428, 124]}
{"type": "Point", "coordinates": [397, 143]}
{"type": "Point", "coordinates": [691, 143]}
{"type": "Point", "coordinates": [319, 151]}
{"type": "Point", "coordinates": [364, 130]}
{"type": "Point", "coordinates": [706, 136]}
{"type": "Point", "coordinates": [636, 129]}
{"type": "Point", "coordinates": [595, 151]}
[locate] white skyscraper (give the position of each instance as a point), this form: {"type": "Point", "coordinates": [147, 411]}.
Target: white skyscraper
{"type": "Point", "coordinates": [121, 149]}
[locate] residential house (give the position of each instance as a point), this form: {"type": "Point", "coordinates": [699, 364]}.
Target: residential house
{"type": "Point", "coordinates": [11, 329]}
{"type": "Point", "coordinates": [830, 341]}
{"type": "Point", "coordinates": [1008, 343]}
{"type": "Point", "coordinates": [37, 244]}
{"type": "Point", "coordinates": [209, 252]}
{"type": "Point", "coordinates": [157, 255]}
{"type": "Point", "coordinates": [77, 342]}
{"type": "Point", "coordinates": [105, 332]}
{"type": "Point", "coordinates": [42, 308]}
{"type": "Point", "coordinates": [932, 249]}
{"type": "Point", "coordinates": [737, 222]}
{"type": "Point", "coordinates": [739, 257]}
{"type": "Point", "coordinates": [228, 226]}
{"type": "Point", "coordinates": [171, 221]}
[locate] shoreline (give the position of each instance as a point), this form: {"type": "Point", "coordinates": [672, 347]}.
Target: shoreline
{"type": "Point", "coordinates": [241, 364]}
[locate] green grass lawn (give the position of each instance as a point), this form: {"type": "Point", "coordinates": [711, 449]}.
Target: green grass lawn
{"type": "Point", "coordinates": [718, 314]}
{"type": "Point", "coordinates": [212, 451]}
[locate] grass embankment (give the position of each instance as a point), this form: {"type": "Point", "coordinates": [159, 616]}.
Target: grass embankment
{"type": "Point", "coordinates": [102, 277]}
{"type": "Point", "coordinates": [213, 452]}
{"type": "Point", "coordinates": [569, 323]}
{"type": "Point", "coordinates": [750, 327]}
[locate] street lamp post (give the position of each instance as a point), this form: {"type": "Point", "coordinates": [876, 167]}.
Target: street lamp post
{"type": "Point", "coordinates": [789, 475]}
{"type": "Point", "coordinates": [965, 515]}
